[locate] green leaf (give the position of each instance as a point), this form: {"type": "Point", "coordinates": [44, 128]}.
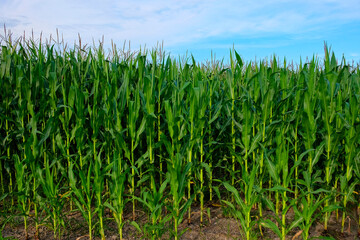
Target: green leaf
{"type": "Point", "coordinates": [272, 226]}
{"type": "Point", "coordinates": [295, 223]}
{"type": "Point", "coordinates": [272, 170]}
{"type": "Point", "coordinates": [134, 224]}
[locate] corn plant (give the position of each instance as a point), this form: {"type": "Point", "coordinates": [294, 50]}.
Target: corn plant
{"type": "Point", "coordinates": [309, 213]}
{"type": "Point", "coordinates": [198, 104]}
{"type": "Point", "coordinates": [327, 94]}
{"type": "Point", "coordinates": [191, 117]}
{"type": "Point", "coordinates": [98, 187]}
{"type": "Point", "coordinates": [32, 151]}
{"type": "Point", "coordinates": [135, 132]}
{"type": "Point", "coordinates": [295, 118]}
{"type": "Point", "coordinates": [203, 100]}
{"type": "Point", "coordinates": [310, 119]}
{"type": "Point", "coordinates": [160, 86]}
{"type": "Point", "coordinates": [242, 209]}
{"type": "Point", "coordinates": [282, 176]}
{"type": "Point", "coordinates": [213, 86]}
{"type": "Point", "coordinates": [149, 112]}
{"type": "Point", "coordinates": [177, 176]}
{"type": "Point", "coordinates": [83, 196]}
{"type": "Point", "coordinates": [5, 114]}
{"type": "Point", "coordinates": [351, 139]}
{"type": "Point", "coordinates": [120, 170]}
{"type": "Point", "coordinates": [232, 89]}
{"type": "Point", "coordinates": [117, 197]}
{"type": "Point", "coordinates": [54, 200]}
{"type": "Point", "coordinates": [23, 190]}
{"type": "Point", "coordinates": [246, 124]}
{"type": "Point", "coordinates": [357, 173]}
{"type": "Point", "coordinates": [154, 200]}
{"type": "Point", "coordinates": [267, 93]}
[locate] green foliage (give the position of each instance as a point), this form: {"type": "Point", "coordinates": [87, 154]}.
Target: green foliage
{"type": "Point", "coordinates": [85, 130]}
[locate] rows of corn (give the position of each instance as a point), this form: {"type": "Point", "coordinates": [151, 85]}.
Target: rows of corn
{"type": "Point", "coordinates": [89, 132]}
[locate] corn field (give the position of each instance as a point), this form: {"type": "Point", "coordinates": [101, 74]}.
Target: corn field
{"type": "Point", "coordinates": [87, 131]}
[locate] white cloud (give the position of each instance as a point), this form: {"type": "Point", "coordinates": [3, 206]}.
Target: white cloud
{"type": "Point", "coordinates": [175, 22]}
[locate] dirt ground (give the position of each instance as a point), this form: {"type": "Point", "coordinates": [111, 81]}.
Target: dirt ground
{"type": "Point", "coordinates": [215, 226]}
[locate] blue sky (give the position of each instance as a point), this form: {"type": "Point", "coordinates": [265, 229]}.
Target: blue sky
{"type": "Point", "coordinates": [257, 29]}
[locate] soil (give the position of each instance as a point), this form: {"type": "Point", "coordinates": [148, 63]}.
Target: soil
{"type": "Point", "coordinates": [215, 226]}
